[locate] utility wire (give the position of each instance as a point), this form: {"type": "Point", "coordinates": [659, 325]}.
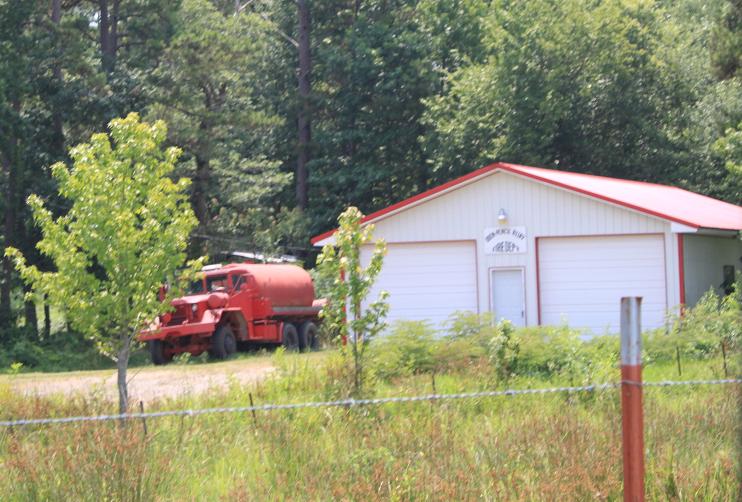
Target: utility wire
{"type": "Point", "coordinates": [360, 402]}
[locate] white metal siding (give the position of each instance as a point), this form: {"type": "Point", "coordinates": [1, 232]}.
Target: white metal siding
{"type": "Point", "coordinates": [582, 280]}
{"type": "Point", "coordinates": [427, 281]}
{"type": "Point", "coordinates": [545, 210]}
{"type": "Point", "coordinates": [704, 258]}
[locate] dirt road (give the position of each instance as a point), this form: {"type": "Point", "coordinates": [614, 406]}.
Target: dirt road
{"type": "Point", "coordinates": [146, 383]}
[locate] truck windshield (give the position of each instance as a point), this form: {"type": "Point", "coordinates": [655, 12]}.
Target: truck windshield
{"type": "Point", "coordinates": [196, 287]}
{"type": "Point", "coordinates": [217, 283]}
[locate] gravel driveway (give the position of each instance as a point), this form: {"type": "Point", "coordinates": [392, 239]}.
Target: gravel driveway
{"type": "Point", "coordinates": [146, 383]}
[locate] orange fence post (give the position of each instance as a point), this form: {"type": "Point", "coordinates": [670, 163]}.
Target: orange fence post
{"type": "Point", "coordinates": [632, 423]}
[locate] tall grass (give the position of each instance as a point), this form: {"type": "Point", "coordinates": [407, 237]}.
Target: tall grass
{"type": "Point", "coordinates": [527, 447]}
{"type": "Point", "coordinates": [545, 447]}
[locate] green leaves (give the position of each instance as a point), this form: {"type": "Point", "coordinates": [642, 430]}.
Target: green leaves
{"type": "Point", "coordinates": [340, 265]}
{"type": "Point", "coordinates": [207, 88]}
{"type": "Point", "coordinates": [573, 84]}
{"type": "Point", "coordinates": [125, 234]}
{"type": "Point", "coordinates": [729, 147]}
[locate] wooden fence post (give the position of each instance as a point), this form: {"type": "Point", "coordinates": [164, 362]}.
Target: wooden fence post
{"type": "Point", "coordinates": [252, 405]}
{"type": "Point", "coordinates": [631, 400]}
{"type": "Point", "coordinates": [144, 420]}
{"type": "Point", "coordinates": [677, 356]}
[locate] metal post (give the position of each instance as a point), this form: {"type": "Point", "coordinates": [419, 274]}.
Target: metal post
{"type": "Point", "coordinates": [631, 400]}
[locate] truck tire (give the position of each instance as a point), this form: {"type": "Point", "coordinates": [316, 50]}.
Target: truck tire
{"type": "Point", "coordinates": [157, 353]}
{"type": "Point", "coordinates": [290, 337]}
{"type": "Point", "coordinates": [223, 343]}
{"type": "Point", "coordinates": [308, 339]}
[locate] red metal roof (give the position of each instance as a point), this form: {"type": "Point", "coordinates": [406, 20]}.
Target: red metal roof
{"type": "Point", "coordinates": [670, 203]}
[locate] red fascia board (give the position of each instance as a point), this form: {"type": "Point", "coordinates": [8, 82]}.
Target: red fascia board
{"type": "Point", "coordinates": [413, 199]}
{"type": "Point", "coordinates": [513, 169]}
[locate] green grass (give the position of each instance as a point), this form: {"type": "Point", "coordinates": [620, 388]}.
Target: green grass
{"type": "Point", "coordinates": [550, 447]}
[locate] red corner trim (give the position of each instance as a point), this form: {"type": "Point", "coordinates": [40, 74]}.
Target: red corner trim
{"type": "Point", "coordinates": [681, 268]}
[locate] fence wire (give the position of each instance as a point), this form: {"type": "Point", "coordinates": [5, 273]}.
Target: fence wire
{"type": "Point", "coordinates": [358, 402]}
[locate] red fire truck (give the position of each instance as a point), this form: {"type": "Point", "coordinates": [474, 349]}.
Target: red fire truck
{"type": "Point", "coordinates": [235, 306]}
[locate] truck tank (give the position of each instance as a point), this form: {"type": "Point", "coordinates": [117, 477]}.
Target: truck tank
{"type": "Point", "coordinates": [282, 285]}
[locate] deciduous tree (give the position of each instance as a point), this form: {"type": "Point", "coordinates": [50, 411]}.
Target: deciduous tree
{"type": "Point", "coordinates": [125, 233]}
{"type": "Point", "coordinates": [567, 84]}
{"type": "Point", "coordinates": [206, 90]}
{"type": "Point", "coordinates": [340, 264]}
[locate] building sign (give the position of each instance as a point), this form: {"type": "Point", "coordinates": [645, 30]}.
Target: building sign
{"type": "Point", "coordinates": [505, 240]}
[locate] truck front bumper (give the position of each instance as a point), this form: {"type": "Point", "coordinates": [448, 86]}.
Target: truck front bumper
{"type": "Point", "coordinates": [187, 329]}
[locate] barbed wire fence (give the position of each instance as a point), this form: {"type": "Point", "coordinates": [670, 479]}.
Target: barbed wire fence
{"type": "Point", "coordinates": [359, 402]}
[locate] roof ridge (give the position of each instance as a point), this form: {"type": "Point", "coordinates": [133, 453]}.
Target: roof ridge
{"type": "Point", "coordinates": [569, 180]}
{"type": "Point", "coordinates": [601, 176]}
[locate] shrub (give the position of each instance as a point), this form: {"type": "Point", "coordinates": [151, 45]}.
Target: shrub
{"type": "Point", "coordinates": [63, 351]}
{"type": "Point", "coordinates": [699, 332]}
{"type": "Point", "coordinates": [409, 349]}
{"type": "Point", "coordinates": [340, 265]}
{"type": "Point", "coordinates": [467, 341]}
{"type": "Point", "coordinates": [503, 349]}
{"type": "Point", "coordinates": [478, 328]}
{"type": "Point", "coordinates": [545, 350]}
{"type": "Point", "coordinates": [458, 354]}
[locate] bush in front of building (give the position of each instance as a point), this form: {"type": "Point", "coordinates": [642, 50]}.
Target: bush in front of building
{"type": "Point", "coordinates": [475, 343]}
{"type": "Point", "coordinates": [410, 349]}
{"type": "Point", "coordinates": [711, 328]}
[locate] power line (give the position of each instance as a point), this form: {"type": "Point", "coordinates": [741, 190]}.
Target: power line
{"type": "Point", "coordinates": [237, 240]}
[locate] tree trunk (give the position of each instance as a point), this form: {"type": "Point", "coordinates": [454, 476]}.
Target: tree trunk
{"type": "Point", "coordinates": [200, 189]}
{"type": "Point", "coordinates": [57, 124]}
{"type": "Point", "coordinates": [56, 12]}
{"type": "Point", "coordinates": [47, 319]}
{"type": "Point", "coordinates": [103, 30]}
{"type": "Point", "coordinates": [29, 311]}
{"type": "Point", "coordinates": [303, 122]}
{"type": "Point", "coordinates": [6, 316]}
{"type": "Point", "coordinates": [108, 34]}
{"type": "Point", "coordinates": [122, 363]}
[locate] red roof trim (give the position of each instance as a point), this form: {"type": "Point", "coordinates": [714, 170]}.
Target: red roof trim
{"type": "Point", "coordinates": [414, 198]}
{"type": "Point", "coordinates": [513, 169]}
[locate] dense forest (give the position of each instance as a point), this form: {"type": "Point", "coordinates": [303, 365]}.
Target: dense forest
{"type": "Point", "coordinates": [288, 111]}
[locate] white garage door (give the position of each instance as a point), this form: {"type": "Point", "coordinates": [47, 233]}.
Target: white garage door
{"type": "Point", "coordinates": [582, 280]}
{"type": "Point", "coordinates": [427, 281]}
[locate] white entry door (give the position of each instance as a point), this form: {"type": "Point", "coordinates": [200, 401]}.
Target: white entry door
{"type": "Point", "coordinates": [508, 295]}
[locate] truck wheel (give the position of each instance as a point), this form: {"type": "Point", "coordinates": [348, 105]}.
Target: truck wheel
{"type": "Point", "coordinates": [290, 337]}
{"type": "Point", "coordinates": [223, 343]}
{"type": "Point", "coordinates": [157, 353]}
{"type": "Point", "coordinates": [308, 339]}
